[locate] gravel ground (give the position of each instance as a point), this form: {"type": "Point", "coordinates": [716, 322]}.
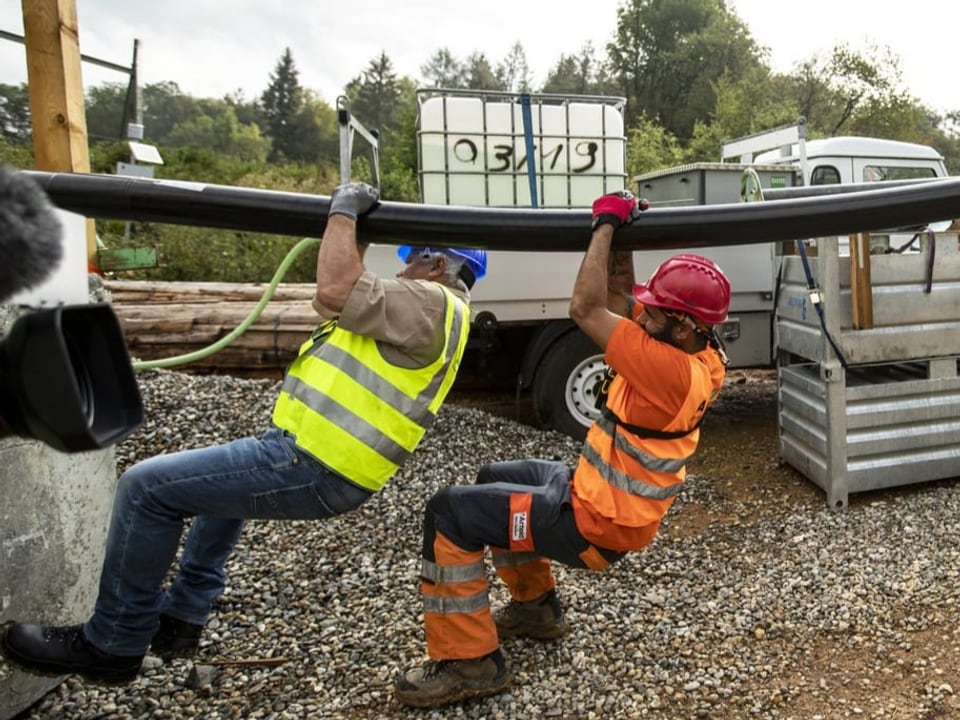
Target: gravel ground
{"type": "Point", "coordinates": [754, 601]}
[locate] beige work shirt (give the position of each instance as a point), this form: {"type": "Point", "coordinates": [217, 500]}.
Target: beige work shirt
{"type": "Point", "coordinates": [405, 317]}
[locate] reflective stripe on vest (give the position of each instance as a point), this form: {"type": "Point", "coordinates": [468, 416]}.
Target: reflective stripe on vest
{"type": "Point", "coordinates": [641, 467]}
{"type": "Point", "coordinates": [655, 464]}
{"type": "Point", "coordinates": [622, 481]}
{"type": "Point", "coordinates": [360, 415]}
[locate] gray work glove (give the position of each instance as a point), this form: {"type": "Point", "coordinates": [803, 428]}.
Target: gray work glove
{"type": "Point", "coordinates": [353, 200]}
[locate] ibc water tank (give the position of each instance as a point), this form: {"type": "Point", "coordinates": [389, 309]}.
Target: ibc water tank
{"type": "Point", "coordinates": [473, 151]}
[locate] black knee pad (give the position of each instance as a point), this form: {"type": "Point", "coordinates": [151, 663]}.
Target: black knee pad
{"type": "Point", "coordinates": [484, 475]}
{"type": "Point", "coordinates": [439, 503]}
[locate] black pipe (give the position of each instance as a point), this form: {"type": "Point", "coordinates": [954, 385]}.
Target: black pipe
{"type": "Point", "coordinates": [821, 190]}
{"type": "Point", "coordinates": [285, 213]}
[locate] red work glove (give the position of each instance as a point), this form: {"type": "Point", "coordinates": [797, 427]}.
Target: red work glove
{"type": "Point", "coordinates": [617, 208]}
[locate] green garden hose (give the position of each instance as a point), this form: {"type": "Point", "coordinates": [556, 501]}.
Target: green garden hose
{"type": "Point", "coordinates": [242, 327]}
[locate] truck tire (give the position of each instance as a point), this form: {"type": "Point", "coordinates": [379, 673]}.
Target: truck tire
{"type": "Point", "coordinates": [566, 383]}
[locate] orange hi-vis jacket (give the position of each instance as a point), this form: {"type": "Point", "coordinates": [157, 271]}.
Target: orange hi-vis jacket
{"type": "Point", "coordinates": [624, 483]}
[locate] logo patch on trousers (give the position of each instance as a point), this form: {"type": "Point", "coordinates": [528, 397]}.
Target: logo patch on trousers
{"type": "Point", "coordinates": [518, 527]}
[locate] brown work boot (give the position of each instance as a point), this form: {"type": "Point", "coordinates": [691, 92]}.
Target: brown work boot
{"type": "Point", "coordinates": [541, 618]}
{"type": "Point", "coordinates": [440, 682]}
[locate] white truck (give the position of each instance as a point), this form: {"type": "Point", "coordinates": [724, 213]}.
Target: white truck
{"type": "Point", "coordinates": [474, 149]}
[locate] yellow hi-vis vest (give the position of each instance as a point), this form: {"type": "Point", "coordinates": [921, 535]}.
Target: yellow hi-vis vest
{"type": "Point", "coordinates": [356, 413]}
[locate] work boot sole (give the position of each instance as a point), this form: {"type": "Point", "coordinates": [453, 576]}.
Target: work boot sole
{"type": "Point", "coordinates": [411, 699]}
{"type": "Point", "coordinates": [167, 654]}
{"type": "Point", "coordinates": [551, 632]}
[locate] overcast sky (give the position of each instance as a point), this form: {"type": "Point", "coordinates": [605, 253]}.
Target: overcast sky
{"type": "Point", "coordinates": [213, 47]}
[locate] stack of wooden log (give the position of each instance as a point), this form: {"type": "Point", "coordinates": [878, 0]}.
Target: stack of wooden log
{"type": "Point", "coordinates": [166, 319]}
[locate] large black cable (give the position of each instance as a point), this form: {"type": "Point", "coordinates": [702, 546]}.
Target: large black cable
{"type": "Point", "coordinates": [285, 213]}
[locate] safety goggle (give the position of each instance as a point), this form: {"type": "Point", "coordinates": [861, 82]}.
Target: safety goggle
{"type": "Point", "coordinates": [685, 319]}
{"type": "Point", "coordinates": [424, 253]}
{"type": "Point", "coordinates": [701, 328]}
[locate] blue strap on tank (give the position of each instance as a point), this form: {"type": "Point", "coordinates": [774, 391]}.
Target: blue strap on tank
{"type": "Point", "coordinates": [528, 141]}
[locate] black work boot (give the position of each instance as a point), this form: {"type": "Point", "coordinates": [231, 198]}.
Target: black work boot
{"type": "Point", "coordinates": [439, 682]}
{"type": "Point", "coordinates": [540, 618]}
{"type": "Point", "coordinates": [65, 650]}
{"type": "Point", "coordinates": [175, 638]}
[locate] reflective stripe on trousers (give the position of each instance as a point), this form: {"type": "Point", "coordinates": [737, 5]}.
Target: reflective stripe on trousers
{"type": "Point", "coordinates": [456, 606]}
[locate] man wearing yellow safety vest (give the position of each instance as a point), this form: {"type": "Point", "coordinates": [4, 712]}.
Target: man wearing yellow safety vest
{"type": "Point", "coordinates": [667, 364]}
{"type": "Point", "coordinates": [353, 407]}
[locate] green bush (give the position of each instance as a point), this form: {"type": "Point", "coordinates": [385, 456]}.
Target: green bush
{"type": "Point", "coordinates": [187, 253]}
{"type": "Point", "coordinates": [190, 253]}
{"type": "Point", "coordinates": [16, 153]}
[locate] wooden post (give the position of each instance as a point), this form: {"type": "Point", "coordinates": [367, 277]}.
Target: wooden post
{"type": "Point", "coordinates": [861, 291]}
{"type": "Point", "coordinates": [55, 87]}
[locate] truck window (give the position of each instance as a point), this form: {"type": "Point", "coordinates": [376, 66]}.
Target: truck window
{"type": "Point", "coordinates": [874, 173]}
{"type": "Point", "coordinates": [825, 175]}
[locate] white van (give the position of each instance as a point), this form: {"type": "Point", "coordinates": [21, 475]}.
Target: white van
{"type": "Point", "coordinates": [847, 159]}
{"type": "Point", "coordinates": [853, 160]}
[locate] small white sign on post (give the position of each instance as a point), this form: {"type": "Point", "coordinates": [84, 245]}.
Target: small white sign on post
{"type": "Point", "coordinates": [129, 169]}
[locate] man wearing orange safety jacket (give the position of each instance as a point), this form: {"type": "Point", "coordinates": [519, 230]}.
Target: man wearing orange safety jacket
{"type": "Point", "coordinates": [667, 364]}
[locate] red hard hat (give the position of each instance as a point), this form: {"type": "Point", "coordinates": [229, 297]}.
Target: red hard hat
{"type": "Point", "coordinates": [690, 284]}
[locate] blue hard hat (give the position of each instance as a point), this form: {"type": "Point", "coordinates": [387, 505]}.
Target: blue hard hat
{"type": "Point", "coordinates": [474, 261]}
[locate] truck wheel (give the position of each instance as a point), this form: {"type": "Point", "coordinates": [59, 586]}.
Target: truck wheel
{"type": "Point", "coordinates": [566, 383]}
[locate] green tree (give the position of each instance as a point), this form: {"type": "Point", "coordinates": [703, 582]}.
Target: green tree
{"type": "Point", "coordinates": [579, 74]}
{"type": "Point", "coordinates": [650, 147]}
{"type": "Point", "coordinates": [15, 112]}
{"type": "Point", "coordinates": [398, 149]}
{"type": "Point", "coordinates": [443, 70]}
{"type": "Point", "coordinates": [667, 55]}
{"type": "Point", "coordinates": [480, 74]}
{"type": "Point", "coordinates": [247, 111]}
{"type": "Point", "coordinates": [374, 95]}
{"type": "Point", "coordinates": [104, 108]}
{"type": "Point", "coordinates": [327, 128]}
{"type": "Point", "coordinates": [385, 103]}
{"type": "Point", "coordinates": [165, 106]}
{"type": "Point", "coordinates": [743, 106]}
{"type": "Point", "coordinates": [222, 133]}
{"type": "Point", "coordinates": [16, 153]}
{"type": "Point", "coordinates": [281, 102]}
{"type": "Point", "coordinates": [313, 136]}
{"type": "Point", "coordinates": [861, 92]}
{"type": "Point", "coordinates": [105, 154]}
{"type": "Point", "coordinates": [513, 71]}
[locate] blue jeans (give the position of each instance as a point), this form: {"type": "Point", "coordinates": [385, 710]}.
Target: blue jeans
{"type": "Point", "coordinates": [262, 478]}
